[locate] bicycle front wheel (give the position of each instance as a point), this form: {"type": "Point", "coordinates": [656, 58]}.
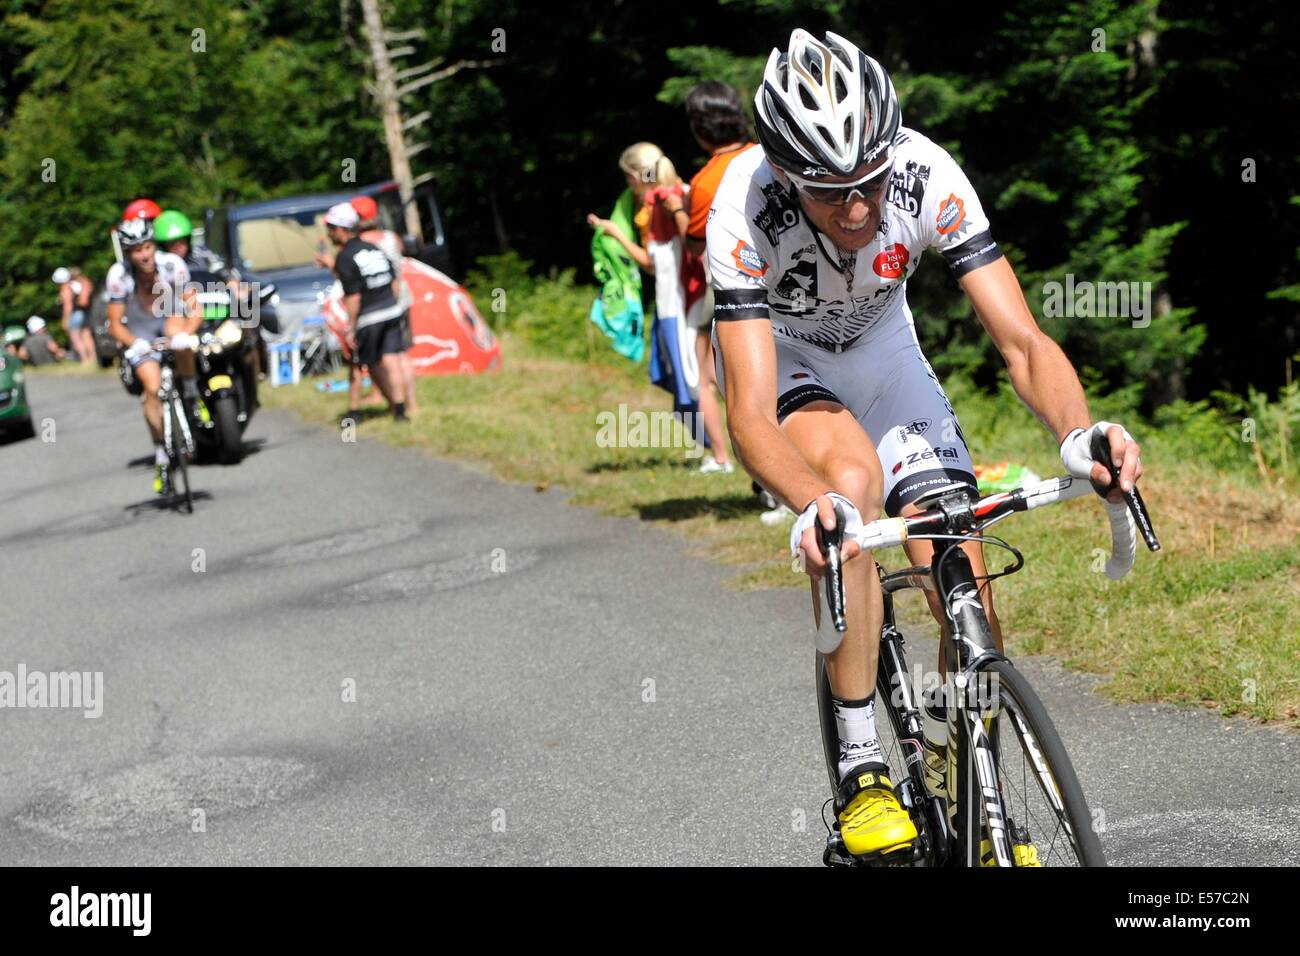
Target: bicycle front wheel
{"type": "Point", "coordinates": [1041, 793]}
{"type": "Point", "coordinates": [180, 459]}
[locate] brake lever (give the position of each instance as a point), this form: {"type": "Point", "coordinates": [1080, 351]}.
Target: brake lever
{"type": "Point", "coordinates": [832, 544]}
{"type": "Point", "coordinates": [1136, 506]}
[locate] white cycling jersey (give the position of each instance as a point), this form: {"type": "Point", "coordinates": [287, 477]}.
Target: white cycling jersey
{"type": "Point", "coordinates": [171, 269]}
{"type": "Point", "coordinates": [843, 329]}
{"type": "Point", "coordinates": [767, 260]}
{"type": "Point", "coordinates": [147, 323]}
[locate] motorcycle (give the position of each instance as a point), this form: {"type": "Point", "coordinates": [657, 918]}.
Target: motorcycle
{"type": "Point", "coordinates": [227, 363]}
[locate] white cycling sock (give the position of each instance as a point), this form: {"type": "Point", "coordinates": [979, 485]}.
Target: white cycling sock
{"type": "Point", "coordinates": [855, 721]}
{"type": "Point", "coordinates": [159, 454]}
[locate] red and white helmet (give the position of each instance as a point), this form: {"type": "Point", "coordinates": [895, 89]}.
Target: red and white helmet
{"type": "Point", "coordinates": [145, 209]}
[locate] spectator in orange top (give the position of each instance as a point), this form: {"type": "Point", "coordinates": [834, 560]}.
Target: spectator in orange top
{"type": "Point", "coordinates": [718, 123]}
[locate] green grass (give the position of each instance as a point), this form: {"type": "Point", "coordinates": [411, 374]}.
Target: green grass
{"type": "Point", "coordinates": [1210, 620]}
{"type": "Point", "coordinates": [65, 369]}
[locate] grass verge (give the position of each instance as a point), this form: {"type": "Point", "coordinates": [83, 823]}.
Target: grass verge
{"type": "Point", "coordinates": [1208, 621]}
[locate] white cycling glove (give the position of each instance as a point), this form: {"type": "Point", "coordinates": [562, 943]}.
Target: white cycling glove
{"type": "Point", "coordinates": [1076, 450]}
{"type": "Point", "coordinates": [138, 349]}
{"type": "Point", "coordinates": [182, 341]}
{"type": "Point", "coordinates": [852, 520]}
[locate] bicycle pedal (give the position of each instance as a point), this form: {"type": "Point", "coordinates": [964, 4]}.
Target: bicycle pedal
{"type": "Point", "coordinates": [836, 854]}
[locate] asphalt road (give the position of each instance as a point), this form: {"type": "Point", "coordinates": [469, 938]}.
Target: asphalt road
{"type": "Point", "coordinates": [389, 659]}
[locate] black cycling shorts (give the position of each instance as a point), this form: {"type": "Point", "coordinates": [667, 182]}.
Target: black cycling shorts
{"type": "Point", "coordinates": [378, 340]}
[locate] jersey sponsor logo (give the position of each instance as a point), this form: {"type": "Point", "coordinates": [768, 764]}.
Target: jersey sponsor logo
{"type": "Point", "coordinates": [375, 266]}
{"type": "Point", "coordinates": [892, 263]}
{"type": "Point", "coordinates": [918, 427]}
{"type": "Point", "coordinates": [780, 213]}
{"type": "Point", "coordinates": [931, 454]}
{"type": "Point", "coordinates": [907, 188]}
{"type": "Point", "coordinates": [952, 213]}
{"type": "Point", "coordinates": [799, 282]}
{"type": "Point", "coordinates": [748, 260]}
{"type": "Point", "coordinates": [939, 454]}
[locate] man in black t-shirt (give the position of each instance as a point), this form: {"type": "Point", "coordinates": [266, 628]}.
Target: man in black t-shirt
{"type": "Point", "coordinates": [370, 296]}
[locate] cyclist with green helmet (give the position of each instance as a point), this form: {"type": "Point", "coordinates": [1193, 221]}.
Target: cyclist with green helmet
{"type": "Point", "coordinates": [174, 233]}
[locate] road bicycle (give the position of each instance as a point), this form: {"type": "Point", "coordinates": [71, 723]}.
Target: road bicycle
{"type": "Point", "coordinates": [1008, 794]}
{"type": "Point", "coordinates": [177, 437]}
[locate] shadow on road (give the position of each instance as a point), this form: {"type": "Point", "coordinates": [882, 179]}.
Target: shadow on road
{"type": "Point", "coordinates": [680, 509]}
{"type": "Point", "coordinates": [204, 458]}
{"type": "Point", "coordinates": [159, 503]}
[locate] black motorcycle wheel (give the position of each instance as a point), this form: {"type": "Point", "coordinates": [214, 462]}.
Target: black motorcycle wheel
{"type": "Point", "coordinates": [230, 441]}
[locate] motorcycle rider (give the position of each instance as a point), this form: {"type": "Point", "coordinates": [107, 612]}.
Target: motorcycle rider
{"type": "Point", "coordinates": [148, 299]}
{"type": "Point", "coordinates": [216, 284]}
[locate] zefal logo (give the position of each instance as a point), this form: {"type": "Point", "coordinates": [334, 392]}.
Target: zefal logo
{"type": "Point", "coordinates": [952, 213]}
{"type": "Point", "coordinates": [892, 263]}
{"type": "Point", "coordinates": [748, 260]}
{"type": "Point", "coordinates": [930, 454]}
{"type": "Point", "coordinates": [918, 427]}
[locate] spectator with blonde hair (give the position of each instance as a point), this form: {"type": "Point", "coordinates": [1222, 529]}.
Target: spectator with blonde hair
{"type": "Point", "coordinates": [674, 364]}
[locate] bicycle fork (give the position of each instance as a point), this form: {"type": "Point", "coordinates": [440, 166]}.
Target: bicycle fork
{"type": "Point", "coordinates": [892, 679]}
{"type": "Point", "coordinates": [973, 783]}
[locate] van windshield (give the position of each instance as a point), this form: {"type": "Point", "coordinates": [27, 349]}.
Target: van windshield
{"type": "Point", "coordinates": [291, 240]}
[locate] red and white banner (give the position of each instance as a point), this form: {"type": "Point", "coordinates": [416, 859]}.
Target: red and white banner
{"type": "Point", "coordinates": [448, 335]}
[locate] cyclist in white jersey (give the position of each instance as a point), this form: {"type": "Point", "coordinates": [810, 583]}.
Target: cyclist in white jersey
{"type": "Point", "coordinates": [148, 299]}
{"type": "Point", "coordinates": [830, 400]}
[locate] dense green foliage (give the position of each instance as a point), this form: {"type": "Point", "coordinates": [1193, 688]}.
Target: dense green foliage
{"type": "Point", "coordinates": [1130, 142]}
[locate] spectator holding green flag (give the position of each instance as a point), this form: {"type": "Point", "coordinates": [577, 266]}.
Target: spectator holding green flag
{"type": "Point", "coordinates": [617, 311]}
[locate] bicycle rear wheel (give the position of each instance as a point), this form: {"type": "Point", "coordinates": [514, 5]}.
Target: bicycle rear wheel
{"type": "Point", "coordinates": [180, 458]}
{"type": "Point", "coordinates": [1040, 790]}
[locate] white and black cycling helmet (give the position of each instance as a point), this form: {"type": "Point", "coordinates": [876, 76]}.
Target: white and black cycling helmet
{"type": "Point", "coordinates": [132, 232]}
{"type": "Point", "coordinates": [824, 108]}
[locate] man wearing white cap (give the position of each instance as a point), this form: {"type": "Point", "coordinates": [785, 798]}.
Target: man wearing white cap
{"type": "Point", "coordinates": [38, 348]}
{"type": "Point", "coordinates": [74, 299]}
{"type": "Point", "coordinates": [371, 299]}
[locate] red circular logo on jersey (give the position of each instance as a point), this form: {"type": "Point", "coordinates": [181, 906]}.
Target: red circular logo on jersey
{"type": "Point", "coordinates": [891, 263]}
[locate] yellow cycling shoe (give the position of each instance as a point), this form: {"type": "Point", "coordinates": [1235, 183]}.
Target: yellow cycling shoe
{"type": "Point", "coordinates": [872, 822]}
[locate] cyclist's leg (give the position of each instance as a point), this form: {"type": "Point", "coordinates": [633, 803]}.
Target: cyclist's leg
{"type": "Point", "coordinates": [921, 448]}
{"type": "Point", "coordinates": [149, 374]}
{"type": "Point", "coordinates": [837, 448]}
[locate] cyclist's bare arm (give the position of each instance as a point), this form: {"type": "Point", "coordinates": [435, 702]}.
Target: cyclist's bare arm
{"type": "Point", "coordinates": [193, 312]}
{"type": "Point", "coordinates": [749, 370]}
{"type": "Point", "coordinates": [1040, 372]}
{"type": "Point", "coordinates": [117, 330]}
